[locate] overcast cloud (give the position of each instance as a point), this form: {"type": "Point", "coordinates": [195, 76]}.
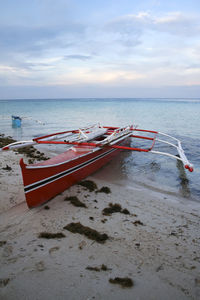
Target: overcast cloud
{"type": "Point", "coordinates": [102, 45]}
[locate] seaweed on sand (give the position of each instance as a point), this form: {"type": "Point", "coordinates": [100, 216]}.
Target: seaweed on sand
{"type": "Point", "coordinates": [33, 153]}
{"type": "Point", "coordinates": [2, 243]}
{"type": "Point", "coordinates": [30, 152]}
{"type": "Point", "coordinates": [137, 222]}
{"type": "Point", "coordinates": [4, 141]}
{"type": "Point", "coordinates": [98, 269]}
{"type": "Point", "coordinates": [104, 220]}
{"type": "Point", "coordinates": [48, 235]}
{"type": "Point", "coordinates": [124, 282]}
{"type": "Point", "coordinates": [4, 282]}
{"type": "Point", "coordinates": [125, 211]}
{"type": "Point", "coordinates": [93, 269]}
{"type": "Point", "coordinates": [88, 184]}
{"type": "Point", "coordinates": [7, 168]}
{"type": "Point", "coordinates": [113, 208]}
{"type": "Point", "coordinates": [105, 190]}
{"type": "Point", "coordinates": [75, 201]}
{"type": "Point", "coordinates": [87, 231]}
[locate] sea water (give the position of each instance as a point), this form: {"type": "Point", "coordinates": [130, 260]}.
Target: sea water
{"type": "Point", "coordinates": [176, 117]}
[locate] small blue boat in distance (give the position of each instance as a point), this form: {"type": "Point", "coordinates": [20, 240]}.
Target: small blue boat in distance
{"type": "Point", "coordinates": [16, 121]}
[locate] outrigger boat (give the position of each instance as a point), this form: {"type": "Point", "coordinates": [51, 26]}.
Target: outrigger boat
{"type": "Point", "coordinates": [90, 149]}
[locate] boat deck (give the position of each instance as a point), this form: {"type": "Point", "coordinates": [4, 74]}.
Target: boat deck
{"type": "Point", "coordinates": [70, 154]}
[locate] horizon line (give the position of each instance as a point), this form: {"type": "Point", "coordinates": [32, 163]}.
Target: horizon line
{"type": "Point", "coordinates": [93, 98]}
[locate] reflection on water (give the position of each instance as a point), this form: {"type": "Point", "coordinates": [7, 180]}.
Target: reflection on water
{"type": "Point", "coordinates": [17, 133]}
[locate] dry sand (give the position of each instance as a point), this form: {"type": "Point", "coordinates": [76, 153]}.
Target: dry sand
{"type": "Point", "coordinates": [157, 245]}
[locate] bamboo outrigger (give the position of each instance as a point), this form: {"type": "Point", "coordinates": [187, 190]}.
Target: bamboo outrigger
{"type": "Point", "coordinates": [90, 148]}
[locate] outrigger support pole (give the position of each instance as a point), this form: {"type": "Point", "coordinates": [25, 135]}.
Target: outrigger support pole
{"type": "Point", "coordinates": [109, 141]}
{"type": "Point", "coordinates": [181, 154]}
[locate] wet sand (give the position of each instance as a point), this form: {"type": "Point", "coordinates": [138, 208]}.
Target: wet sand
{"type": "Point", "coordinates": [156, 245]}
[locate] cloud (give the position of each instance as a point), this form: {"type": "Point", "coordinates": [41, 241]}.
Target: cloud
{"type": "Point", "coordinates": [96, 75]}
{"type": "Point", "coordinates": [126, 30]}
{"type": "Point", "coordinates": [178, 24]}
{"type": "Point", "coordinates": [133, 26]}
{"type": "Point", "coordinates": [36, 39]}
{"type": "Point", "coordinates": [106, 40]}
{"type": "Point", "coordinates": [78, 57]}
{"type": "Point", "coordinates": [142, 48]}
{"type": "Point", "coordinates": [20, 38]}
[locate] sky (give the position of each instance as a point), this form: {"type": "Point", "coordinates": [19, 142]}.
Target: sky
{"type": "Point", "coordinates": [99, 48]}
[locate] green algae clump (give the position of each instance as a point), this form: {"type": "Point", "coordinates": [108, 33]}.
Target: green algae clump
{"type": "Point", "coordinates": [124, 282]}
{"type": "Point", "coordinates": [75, 201]}
{"type": "Point", "coordinates": [48, 235]}
{"type": "Point", "coordinates": [87, 231]}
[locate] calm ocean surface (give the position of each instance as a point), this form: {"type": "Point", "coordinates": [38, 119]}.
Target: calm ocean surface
{"type": "Point", "coordinates": [179, 118]}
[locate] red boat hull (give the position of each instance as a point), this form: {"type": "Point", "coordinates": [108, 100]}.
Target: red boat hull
{"type": "Point", "coordinates": [45, 180]}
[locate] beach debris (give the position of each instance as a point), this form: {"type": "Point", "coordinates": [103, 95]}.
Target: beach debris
{"type": "Point", "coordinates": [104, 220]}
{"type": "Point", "coordinates": [82, 244]}
{"type": "Point", "coordinates": [7, 251]}
{"type": "Point", "coordinates": [98, 269]}
{"type": "Point", "coordinates": [125, 282]}
{"type": "Point", "coordinates": [87, 231]}
{"type": "Point", "coordinates": [7, 168]}
{"type": "Point", "coordinates": [46, 207]}
{"type": "Point", "coordinates": [91, 218]}
{"type": "Point", "coordinates": [53, 249]}
{"type": "Point", "coordinates": [114, 208]}
{"type": "Point", "coordinates": [104, 268]}
{"type": "Point", "coordinates": [197, 258]}
{"type": "Point", "coordinates": [88, 184]}
{"type": "Point", "coordinates": [2, 243]}
{"type": "Point", "coordinates": [75, 201]}
{"type": "Point", "coordinates": [138, 222]}
{"type": "Point", "coordinates": [197, 281]}
{"type": "Point", "coordinates": [159, 268]}
{"type": "Point", "coordinates": [48, 235]}
{"type": "Point", "coordinates": [40, 266]}
{"type": "Point", "coordinates": [93, 269]}
{"type": "Point", "coordinates": [4, 281]}
{"type": "Point", "coordinates": [105, 190]}
{"type": "Point", "coordinates": [125, 211]}
{"type": "Point", "coordinates": [173, 233]}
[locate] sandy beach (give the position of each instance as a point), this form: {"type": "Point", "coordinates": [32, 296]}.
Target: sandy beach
{"type": "Point", "coordinates": [153, 240]}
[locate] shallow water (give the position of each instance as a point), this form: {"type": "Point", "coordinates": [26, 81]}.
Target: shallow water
{"type": "Point", "coordinates": [177, 117]}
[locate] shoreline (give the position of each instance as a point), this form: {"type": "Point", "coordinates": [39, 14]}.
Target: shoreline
{"type": "Point", "coordinates": [156, 245]}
